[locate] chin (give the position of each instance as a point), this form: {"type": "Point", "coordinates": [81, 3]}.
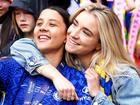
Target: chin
{"type": "Point", "coordinates": [70, 50]}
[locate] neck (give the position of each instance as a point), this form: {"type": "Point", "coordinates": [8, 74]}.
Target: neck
{"type": "Point", "coordinates": [28, 35]}
{"type": "Point", "coordinates": [54, 57]}
{"type": "Point", "coordinates": [85, 60]}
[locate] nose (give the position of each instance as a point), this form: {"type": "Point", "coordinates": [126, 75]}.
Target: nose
{"type": "Point", "coordinates": [74, 33]}
{"type": "Point", "coordinates": [43, 28]}
{"type": "Point", "coordinates": [22, 17]}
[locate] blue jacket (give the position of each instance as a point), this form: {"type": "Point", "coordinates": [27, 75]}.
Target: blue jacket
{"type": "Point", "coordinates": [17, 83]}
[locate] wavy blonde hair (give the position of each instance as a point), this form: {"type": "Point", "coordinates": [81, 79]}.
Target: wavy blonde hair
{"type": "Point", "coordinates": [112, 50]}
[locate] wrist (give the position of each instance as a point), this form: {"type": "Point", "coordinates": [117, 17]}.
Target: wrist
{"type": "Point", "coordinates": [48, 71]}
{"type": "Point", "coordinates": [93, 93]}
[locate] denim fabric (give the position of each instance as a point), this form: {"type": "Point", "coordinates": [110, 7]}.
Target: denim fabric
{"type": "Point", "coordinates": [25, 52]}
{"type": "Point", "coordinates": [125, 89]}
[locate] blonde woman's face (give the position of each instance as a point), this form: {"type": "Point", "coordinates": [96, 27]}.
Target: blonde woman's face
{"type": "Point", "coordinates": [83, 37]}
{"type": "Point", "coordinates": [4, 5]}
{"type": "Point", "coordinates": [24, 20]}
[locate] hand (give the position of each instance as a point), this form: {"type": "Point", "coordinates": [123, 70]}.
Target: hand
{"type": "Point", "coordinates": [65, 88]}
{"type": "Point", "coordinates": [93, 81]}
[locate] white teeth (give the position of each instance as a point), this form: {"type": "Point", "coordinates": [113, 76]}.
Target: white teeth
{"type": "Point", "coordinates": [43, 37]}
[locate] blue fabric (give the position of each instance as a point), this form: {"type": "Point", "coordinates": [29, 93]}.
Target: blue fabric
{"type": "Point", "coordinates": [16, 83]}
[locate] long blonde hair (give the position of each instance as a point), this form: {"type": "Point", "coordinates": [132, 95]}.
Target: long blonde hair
{"type": "Point", "coordinates": [112, 50]}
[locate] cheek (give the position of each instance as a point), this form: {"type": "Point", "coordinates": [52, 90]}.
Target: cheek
{"type": "Point", "coordinates": [32, 25]}
{"type": "Point", "coordinates": [36, 30]}
{"type": "Point", "coordinates": [6, 6]}
{"type": "Point", "coordinates": [69, 30]}
{"type": "Point", "coordinates": [59, 34]}
{"type": "Point", "coordinates": [59, 39]}
{"type": "Point", "coordinates": [88, 43]}
{"type": "Point", "coordinates": [17, 18]}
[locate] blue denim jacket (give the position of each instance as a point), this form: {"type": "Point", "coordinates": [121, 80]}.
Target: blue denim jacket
{"type": "Point", "coordinates": [126, 85]}
{"type": "Point", "coordinates": [24, 51]}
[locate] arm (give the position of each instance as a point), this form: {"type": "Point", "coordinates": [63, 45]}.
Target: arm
{"type": "Point", "coordinates": [93, 82]}
{"type": "Point", "coordinates": [25, 52]}
{"type": "Point", "coordinates": [124, 90]}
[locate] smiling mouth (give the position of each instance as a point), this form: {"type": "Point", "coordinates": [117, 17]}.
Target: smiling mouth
{"type": "Point", "coordinates": [73, 42]}
{"type": "Point", "coordinates": [43, 38]}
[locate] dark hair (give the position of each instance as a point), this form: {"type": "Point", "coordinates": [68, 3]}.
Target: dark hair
{"type": "Point", "coordinates": [60, 3]}
{"type": "Point", "coordinates": [32, 6]}
{"type": "Point", "coordinates": [65, 15]}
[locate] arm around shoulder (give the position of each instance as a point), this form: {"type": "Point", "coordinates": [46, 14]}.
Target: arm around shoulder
{"type": "Point", "coordinates": [25, 52]}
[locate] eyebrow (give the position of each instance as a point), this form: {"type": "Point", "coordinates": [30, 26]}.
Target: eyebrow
{"type": "Point", "coordinates": [88, 30]}
{"type": "Point", "coordinates": [84, 27]}
{"type": "Point", "coordinates": [41, 19]}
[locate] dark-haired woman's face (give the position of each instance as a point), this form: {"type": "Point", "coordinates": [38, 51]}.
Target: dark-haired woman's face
{"type": "Point", "coordinates": [50, 31]}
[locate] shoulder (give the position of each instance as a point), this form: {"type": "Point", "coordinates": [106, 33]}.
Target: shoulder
{"type": "Point", "coordinates": [74, 71]}
{"type": "Point", "coordinates": [126, 86]}
{"type": "Point", "coordinates": [10, 69]}
{"type": "Point", "coordinates": [9, 62]}
{"type": "Point", "coordinates": [23, 41]}
{"type": "Point", "coordinates": [126, 78]}
{"type": "Point", "coordinates": [126, 71]}
{"type": "Point", "coordinates": [75, 76]}
{"type": "Point", "coordinates": [23, 44]}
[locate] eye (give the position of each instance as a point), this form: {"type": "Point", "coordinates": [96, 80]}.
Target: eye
{"type": "Point", "coordinates": [52, 24]}
{"type": "Point", "coordinates": [38, 23]}
{"type": "Point", "coordinates": [17, 12]}
{"type": "Point", "coordinates": [86, 33]}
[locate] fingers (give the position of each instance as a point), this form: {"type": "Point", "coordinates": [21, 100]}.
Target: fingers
{"type": "Point", "coordinates": [65, 88]}
{"type": "Point", "coordinates": [68, 94]}
{"type": "Point", "coordinates": [91, 73]}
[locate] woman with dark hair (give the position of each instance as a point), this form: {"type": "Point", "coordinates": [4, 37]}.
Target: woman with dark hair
{"type": "Point", "coordinates": [9, 33]}
{"type": "Point", "coordinates": [22, 88]}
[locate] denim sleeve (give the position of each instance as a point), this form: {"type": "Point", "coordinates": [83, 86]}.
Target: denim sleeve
{"type": "Point", "coordinates": [101, 99]}
{"type": "Point", "coordinates": [25, 52]}
{"type": "Point", "coordinates": [125, 90]}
